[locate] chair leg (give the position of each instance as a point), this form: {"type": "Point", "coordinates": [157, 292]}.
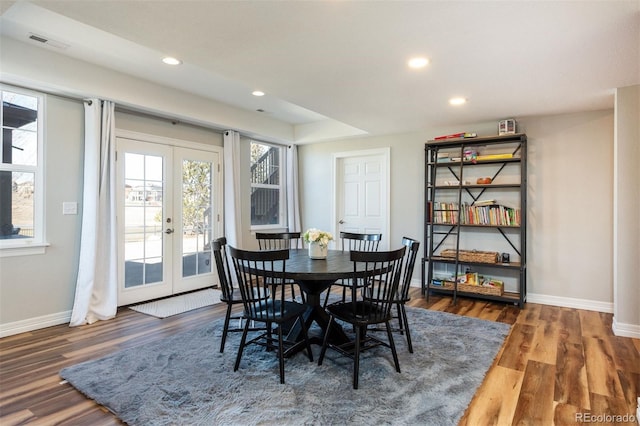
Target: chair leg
{"type": "Point", "coordinates": [242, 343]}
{"type": "Point", "coordinates": [269, 336]}
{"type": "Point", "coordinates": [406, 328]}
{"type": "Point", "coordinates": [306, 337]}
{"type": "Point", "coordinates": [393, 347]}
{"type": "Point", "coordinates": [356, 358]}
{"type": "Point", "coordinates": [326, 299]}
{"type": "Point", "coordinates": [225, 328]}
{"type": "Point", "coordinates": [293, 293]}
{"type": "Point", "coordinates": [325, 341]}
{"type": "Point", "coordinates": [281, 354]}
{"type": "Point", "coordinates": [400, 319]}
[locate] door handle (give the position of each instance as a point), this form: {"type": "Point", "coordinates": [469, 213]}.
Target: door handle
{"type": "Point", "coordinates": [169, 231]}
{"type": "Point", "coordinates": [341, 222]}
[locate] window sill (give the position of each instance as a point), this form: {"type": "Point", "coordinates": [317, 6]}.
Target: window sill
{"type": "Point", "coordinates": [23, 249]}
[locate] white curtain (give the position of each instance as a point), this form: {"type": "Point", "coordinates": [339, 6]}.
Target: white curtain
{"type": "Point", "coordinates": [96, 286]}
{"type": "Point", "coordinates": [293, 199]}
{"type": "Point", "coordinates": [232, 194]}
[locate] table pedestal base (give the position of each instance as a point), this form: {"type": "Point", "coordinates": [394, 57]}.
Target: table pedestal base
{"type": "Point", "coordinates": [316, 313]}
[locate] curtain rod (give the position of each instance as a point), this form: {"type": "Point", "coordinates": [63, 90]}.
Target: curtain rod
{"type": "Point", "coordinates": [46, 92]}
{"type": "Point", "coordinates": [118, 108]}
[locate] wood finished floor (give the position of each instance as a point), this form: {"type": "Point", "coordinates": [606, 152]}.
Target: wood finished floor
{"type": "Point", "coordinates": [557, 363]}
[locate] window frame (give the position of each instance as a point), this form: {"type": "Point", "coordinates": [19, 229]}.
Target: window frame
{"type": "Point", "coordinates": [282, 188]}
{"type": "Point", "coordinates": [37, 244]}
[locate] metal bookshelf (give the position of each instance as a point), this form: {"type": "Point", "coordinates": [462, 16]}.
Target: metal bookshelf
{"type": "Point", "coordinates": [447, 223]}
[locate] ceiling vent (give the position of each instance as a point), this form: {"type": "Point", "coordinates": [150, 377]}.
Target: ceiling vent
{"type": "Point", "coordinates": [48, 41]}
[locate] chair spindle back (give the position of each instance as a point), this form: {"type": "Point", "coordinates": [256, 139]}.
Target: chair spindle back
{"type": "Point", "coordinates": [360, 242]}
{"type": "Point", "coordinates": [259, 273]}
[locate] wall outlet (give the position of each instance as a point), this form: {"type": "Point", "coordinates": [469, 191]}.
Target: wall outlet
{"type": "Point", "coordinates": [69, 207]}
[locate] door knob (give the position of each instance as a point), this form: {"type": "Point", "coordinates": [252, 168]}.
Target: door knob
{"type": "Point", "coordinates": [341, 222]}
{"type": "Point", "coordinates": [169, 231]}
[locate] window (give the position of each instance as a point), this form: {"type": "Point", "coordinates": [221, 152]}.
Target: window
{"type": "Point", "coordinates": [21, 169]}
{"type": "Point", "coordinates": [267, 186]}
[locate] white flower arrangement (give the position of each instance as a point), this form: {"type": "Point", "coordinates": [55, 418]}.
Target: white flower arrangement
{"type": "Point", "coordinates": [313, 235]}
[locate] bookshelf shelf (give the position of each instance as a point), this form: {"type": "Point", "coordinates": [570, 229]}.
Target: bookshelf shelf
{"type": "Point", "coordinates": [463, 217]}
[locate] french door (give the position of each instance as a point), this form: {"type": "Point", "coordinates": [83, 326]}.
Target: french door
{"type": "Point", "coordinates": [169, 209]}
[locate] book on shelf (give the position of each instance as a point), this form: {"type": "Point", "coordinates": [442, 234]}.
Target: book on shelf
{"type": "Point", "coordinates": [456, 136]}
{"type": "Point", "coordinates": [456, 182]}
{"type": "Point", "coordinates": [484, 202]}
{"type": "Point", "coordinates": [494, 157]}
{"type": "Point", "coordinates": [472, 214]}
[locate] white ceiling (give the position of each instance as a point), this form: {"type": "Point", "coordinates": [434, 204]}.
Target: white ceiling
{"type": "Point", "coordinates": [346, 60]}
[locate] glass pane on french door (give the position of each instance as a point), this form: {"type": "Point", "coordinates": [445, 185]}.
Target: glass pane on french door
{"type": "Point", "coordinates": [143, 228]}
{"type": "Point", "coordinates": [197, 203]}
{"type": "Point", "coordinates": [145, 245]}
{"type": "Point", "coordinates": [198, 206]}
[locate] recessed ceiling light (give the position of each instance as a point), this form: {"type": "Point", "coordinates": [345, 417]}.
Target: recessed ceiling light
{"type": "Point", "coordinates": [418, 62]}
{"type": "Point", "coordinates": [458, 101]}
{"type": "Point", "coordinates": [171, 61]}
{"type": "Point", "coordinates": [257, 93]}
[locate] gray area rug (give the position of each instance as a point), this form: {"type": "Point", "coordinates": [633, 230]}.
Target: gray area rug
{"type": "Point", "coordinates": [184, 380]}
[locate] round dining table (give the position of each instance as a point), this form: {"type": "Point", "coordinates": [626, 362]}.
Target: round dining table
{"type": "Point", "coordinates": [314, 276]}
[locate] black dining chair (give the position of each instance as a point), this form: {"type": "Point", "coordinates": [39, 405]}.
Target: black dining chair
{"type": "Point", "coordinates": [280, 241]}
{"type": "Point", "coordinates": [258, 272]}
{"type": "Point", "coordinates": [230, 294]}
{"type": "Point", "coordinates": [351, 241]}
{"type": "Point", "coordinates": [380, 273]}
{"type": "Point", "coordinates": [401, 297]}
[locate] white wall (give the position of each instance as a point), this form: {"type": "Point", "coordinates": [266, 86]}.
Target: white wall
{"type": "Point", "coordinates": [569, 198]}
{"type": "Point", "coordinates": [570, 207]}
{"type": "Point", "coordinates": [626, 188]}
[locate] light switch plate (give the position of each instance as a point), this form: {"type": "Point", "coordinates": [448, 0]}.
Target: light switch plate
{"type": "Point", "coordinates": [69, 207]}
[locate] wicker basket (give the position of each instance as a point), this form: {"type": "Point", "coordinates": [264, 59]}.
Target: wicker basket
{"type": "Point", "coordinates": [472, 255]}
{"type": "Point", "coordinates": [469, 288]}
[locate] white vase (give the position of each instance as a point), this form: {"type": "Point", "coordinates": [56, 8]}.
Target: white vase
{"type": "Point", "coordinates": [317, 251]}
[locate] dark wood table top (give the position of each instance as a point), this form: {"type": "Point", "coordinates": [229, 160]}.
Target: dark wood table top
{"type": "Point", "coordinates": [301, 267]}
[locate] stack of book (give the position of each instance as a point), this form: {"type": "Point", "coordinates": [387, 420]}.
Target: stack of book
{"type": "Point", "coordinates": [485, 212]}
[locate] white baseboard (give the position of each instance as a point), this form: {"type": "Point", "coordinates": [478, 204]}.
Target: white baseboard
{"type": "Point", "coordinates": [625, 330]}
{"type": "Point", "coordinates": [566, 302]}
{"type": "Point", "coordinates": [31, 324]}
{"type": "Point", "coordinates": [571, 302]}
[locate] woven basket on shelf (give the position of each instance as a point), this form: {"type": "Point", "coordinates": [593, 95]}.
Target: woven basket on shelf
{"type": "Point", "coordinates": [470, 288]}
{"type": "Point", "coordinates": [472, 255]}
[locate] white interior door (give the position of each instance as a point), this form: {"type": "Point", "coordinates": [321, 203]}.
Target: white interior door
{"type": "Point", "coordinates": [169, 209]}
{"type": "Point", "coordinates": [362, 193]}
